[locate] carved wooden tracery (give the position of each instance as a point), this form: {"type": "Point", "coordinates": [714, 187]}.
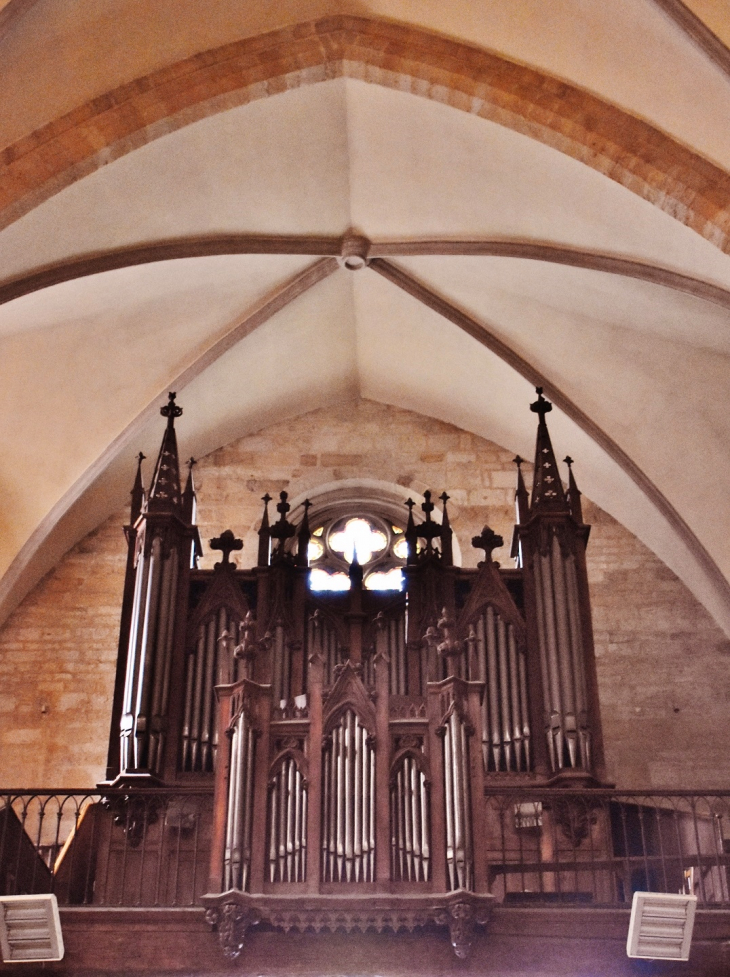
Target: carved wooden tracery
{"type": "Point", "coordinates": [351, 735]}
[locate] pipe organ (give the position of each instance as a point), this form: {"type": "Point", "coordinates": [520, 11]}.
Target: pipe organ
{"type": "Point", "coordinates": [349, 735]}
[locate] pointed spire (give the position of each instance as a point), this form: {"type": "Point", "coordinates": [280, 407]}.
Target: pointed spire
{"type": "Point", "coordinates": [447, 535]}
{"type": "Point", "coordinates": [165, 486]}
{"type": "Point", "coordinates": [304, 537]}
{"type": "Point", "coordinates": [547, 488]}
{"type": "Point", "coordinates": [355, 572]}
{"type": "Point", "coordinates": [264, 535]}
{"type": "Point", "coordinates": [411, 536]}
{"type": "Point", "coordinates": [522, 499]}
{"type": "Point", "coordinates": [189, 500]}
{"type": "Point", "coordinates": [576, 508]}
{"type": "Point", "coordinates": [138, 496]}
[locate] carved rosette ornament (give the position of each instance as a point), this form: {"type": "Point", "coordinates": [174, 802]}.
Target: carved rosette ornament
{"type": "Point", "coordinates": [232, 921]}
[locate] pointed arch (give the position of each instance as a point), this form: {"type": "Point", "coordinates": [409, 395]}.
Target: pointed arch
{"type": "Point", "coordinates": [604, 137]}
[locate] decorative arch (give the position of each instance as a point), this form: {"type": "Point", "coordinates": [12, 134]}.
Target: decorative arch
{"type": "Point", "coordinates": [604, 137]}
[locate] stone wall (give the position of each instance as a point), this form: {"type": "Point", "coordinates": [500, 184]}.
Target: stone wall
{"type": "Point", "coordinates": [662, 662]}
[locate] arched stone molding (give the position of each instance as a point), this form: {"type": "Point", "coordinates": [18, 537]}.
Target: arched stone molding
{"type": "Point", "coordinates": [622, 147]}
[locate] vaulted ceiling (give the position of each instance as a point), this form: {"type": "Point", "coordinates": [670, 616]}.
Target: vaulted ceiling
{"type": "Point", "coordinates": [433, 205]}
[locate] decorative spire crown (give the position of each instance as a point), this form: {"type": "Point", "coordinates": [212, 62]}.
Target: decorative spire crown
{"type": "Point", "coordinates": [165, 486]}
{"type": "Point", "coordinates": [188, 499]}
{"type": "Point", "coordinates": [522, 500]}
{"type": "Point", "coordinates": [137, 493]}
{"type": "Point", "coordinates": [576, 508]}
{"type": "Point", "coordinates": [547, 488]}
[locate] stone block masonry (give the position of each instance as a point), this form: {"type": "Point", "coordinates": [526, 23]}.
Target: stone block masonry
{"type": "Point", "coordinates": [662, 662]}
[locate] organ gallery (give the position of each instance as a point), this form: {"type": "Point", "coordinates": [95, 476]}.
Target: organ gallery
{"type": "Point", "coordinates": [353, 699]}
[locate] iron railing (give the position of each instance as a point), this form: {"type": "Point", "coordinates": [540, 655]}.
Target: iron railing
{"type": "Point", "coordinates": [150, 847]}
{"type": "Point", "coordinates": [598, 847]}
{"type": "Point", "coordinates": [112, 848]}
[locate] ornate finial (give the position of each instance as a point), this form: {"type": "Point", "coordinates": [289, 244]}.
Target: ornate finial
{"type": "Point", "coordinates": [304, 536]}
{"type": "Point", "coordinates": [247, 648]}
{"type": "Point", "coordinates": [226, 542]}
{"type": "Point", "coordinates": [442, 639]}
{"type": "Point", "coordinates": [189, 494]}
{"type": "Point", "coordinates": [447, 534]}
{"type": "Point", "coordinates": [576, 506]}
{"type": "Point", "coordinates": [488, 541]}
{"type": "Point", "coordinates": [541, 406]}
{"type": "Point", "coordinates": [282, 507]}
{"type": "Point", "coordinates": [171, 409]}
{"type": "Point", "coordinates": [165, 486]}
{"type": "Point", "coordinates": [522, 500]}
{"type": "Point", "coordinates": [410, 534]}
{"type": "Point", "coordinates": [547, 489]}
{"type": "Point", "coordinates": [282, 530]}
{"type": "Point", "coordinates": [427, 505]}
{"type": "Point", "coordinates": [137, 492]}
{"type": "Point", "coordinates": [428, 530]}
{"type": "Point", "coordinates": [264, 535]}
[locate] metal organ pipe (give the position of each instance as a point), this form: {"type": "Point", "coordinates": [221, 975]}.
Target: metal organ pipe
{"type": "Point", "coordinates": [409, 823]}
{"type": "Point", "coordinates": [237, 857]}
{"type": "Point", "coordinates": [561, 658]}
{"type": "Point", "coordinates": [500, 663]}
{"type": "Point", "coordinates": [584, 733]}
{"type": "Point", "coordinates": [565, 653]}
{"type": "Point", "coordinates": [459, 854]}
{"type": "Point", "coordinates": [549, 653]}
{"type": "Point", "coordinates": [287, 848]}
{"type": "Point", "coordinates": [149, 660]}
{"type": "Point", "coordinates": [146, 659]}
{"type": "Point", "coordinates": [199, 737]}
{"type": "Point", "coordinates": [127, 743]}
{"type": "Point", "coordinates": [348, 808]}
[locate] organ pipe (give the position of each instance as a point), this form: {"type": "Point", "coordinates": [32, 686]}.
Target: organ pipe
{"type": "Point", "coordinates": [500, 664]}
{"type": "Point", "coordinates": [459, 853]}
{"type": "Point", "coordinates": [561, 659]}
{"type": "Point", "coordinates": [287, 820]}
{"type": "Point", "coordinates": [237, 856]}
{"type": "Point", "coordinates": [149, 660]}
{"type": "Point", "coordinates": [409, 823]}
{"type": "Point", "coordinates": [199, 730]}
{"type": "Point", "coordinates": [348, 808]}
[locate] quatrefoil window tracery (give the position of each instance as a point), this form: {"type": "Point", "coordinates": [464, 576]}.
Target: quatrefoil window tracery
{"type": "Point", "coordinates": [379, 545]}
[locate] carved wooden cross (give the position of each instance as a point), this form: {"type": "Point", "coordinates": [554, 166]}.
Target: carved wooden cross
{"type": "Point", "coordinates": [488, 541]}
{"type": "Point", "coordinates": [226, 542]}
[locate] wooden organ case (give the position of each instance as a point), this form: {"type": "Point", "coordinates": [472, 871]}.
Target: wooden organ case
{"type": "Point", "coordinates": [352, 737]}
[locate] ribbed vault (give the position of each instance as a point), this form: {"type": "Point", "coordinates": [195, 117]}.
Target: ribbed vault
{"type": "Point", "coordinates": [355, 208]}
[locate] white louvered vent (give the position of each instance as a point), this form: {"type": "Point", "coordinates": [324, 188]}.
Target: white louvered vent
{"type": "Point", "coordinates": [661, 926]}
{"type": "Point", "coordinates": [30, 929]}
